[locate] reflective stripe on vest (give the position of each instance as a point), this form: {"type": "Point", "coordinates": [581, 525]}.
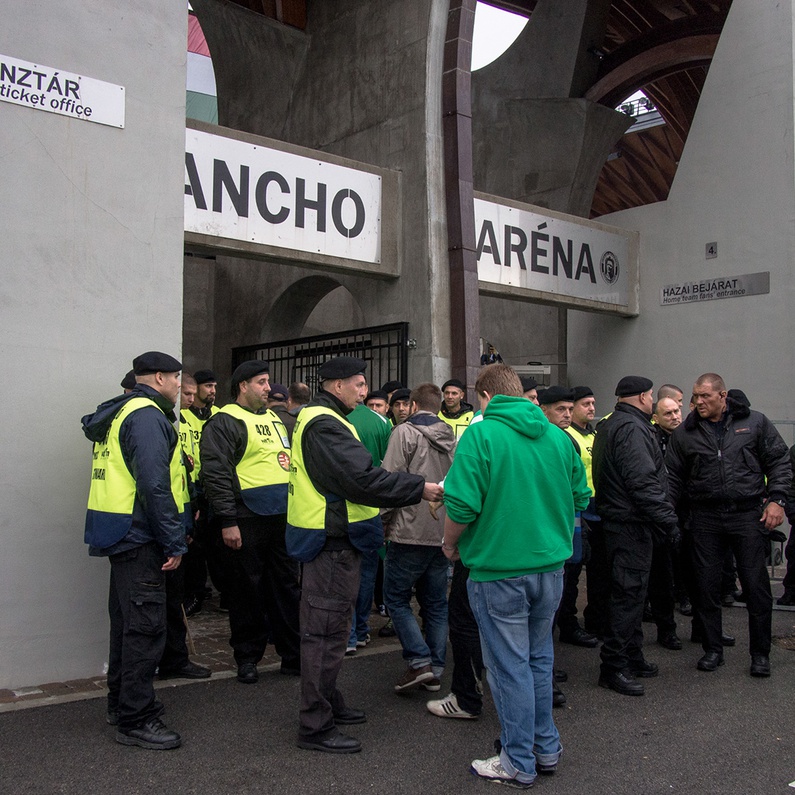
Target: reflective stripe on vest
{"type": "Point", "coordinates": [306, 506]}
{"type": "Point", "coordinates": [112, 495]}
{"type": "Point", "coordinates": [264, 469]}
{"type": "Point", "coordinates": [459, 424]}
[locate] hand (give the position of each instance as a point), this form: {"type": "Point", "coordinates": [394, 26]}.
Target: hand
{"type": "Point", "coordinates": [231, 536]}
{"type": "Point", "coordinates": [433, 492]}
{"type": "Point", "coordinates": [675, 539]}
{"type": "Point", "coordinates": [772, 516]}
{"type": "Point", "coordinates": [172, 563]}
{"type": "Point", "coordinates": [451, 554]}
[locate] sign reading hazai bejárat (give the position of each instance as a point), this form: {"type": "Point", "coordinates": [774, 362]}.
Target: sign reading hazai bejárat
{"type": "Point", "coordinates": [715, 289]}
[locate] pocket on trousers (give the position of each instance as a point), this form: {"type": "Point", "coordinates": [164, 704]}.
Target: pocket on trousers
{"type": "Point", "coordinates": [504, 598]}
{"type": "Point", "coordinates": [328, 616]}
{"type": "Point", "coordinates": [148, 612]}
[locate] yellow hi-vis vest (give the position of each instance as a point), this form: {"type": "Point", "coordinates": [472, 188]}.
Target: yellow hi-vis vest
{"type": "Point", "coordinates": [306, 506]}
{"type": "Point", "coordinates": [112, 494]}
{"type": "Point", "coordinates": [195, 426]}
{"type": "Point", "coordinates": [585, 443]}
{"type": "Point", "coordinates": [459, 424]}
{"type": "Point", "coordinates": [264, 469]}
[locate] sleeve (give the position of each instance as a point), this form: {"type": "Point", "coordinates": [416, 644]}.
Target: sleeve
{"type": "Point", "coordinates": [775, 461]}
{"type": "Point", "coordinates": [398, 453]}
{"type": "Point", "coordinates": [675, 465]}
{"type": "Point", "coordinates": [339, 464]}
{"type": "Point", "coordinates": [467, 482]}
{"type": "Point", "coordinates": [148, 441]}
{"type": "Point", "coordinates": [579, 484]}
{"type": "Point", "coordinates": [221, 448]}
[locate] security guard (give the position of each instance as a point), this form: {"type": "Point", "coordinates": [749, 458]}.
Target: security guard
{"type": "Point", "coordinates": [245, 455]}
{"type": "Point", "coordinates": [329, 524]}
{"type": "Point", "coordinates": [456, 412]}
{"type": "Point", "coordinates": [134, 519]}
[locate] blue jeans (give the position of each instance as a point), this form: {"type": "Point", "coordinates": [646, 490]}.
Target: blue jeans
{"type": "Point", "coordinates": [360, 625]}
{"type": "Point", "coordinates": [515, 618]}
{"type": "Point", "coordinates": [405, 566]}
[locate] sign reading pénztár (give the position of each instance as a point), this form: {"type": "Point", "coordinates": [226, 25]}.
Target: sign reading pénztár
{"type": "Point", "coordinates": [55, 91]}
{"type": "Point", "coordinates": [570, 260]}
{"type": "Point", "coordinates": [714, 289]}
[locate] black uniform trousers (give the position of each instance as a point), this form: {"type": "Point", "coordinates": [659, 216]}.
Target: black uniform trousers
{"type": "Point", "coordinates": [661, 588]}
{"type": "Point", "coordinates": [597, 578]}
{"type": "Point", "coordinates": [263, 592]}
{"type": "Point", "coordinates": [137, 610]}
{"type": "Point", "coordinates": [465, 644]}
{"type": "Point", "coordinates": [175, 655]}
{"type": "Point", "coordinates": [713, 533]}
{"type": "Point", "coordinates": [629, 551]}
{"type": "Point", "coordinates": [329, 589]}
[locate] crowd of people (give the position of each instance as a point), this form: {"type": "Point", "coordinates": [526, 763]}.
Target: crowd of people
{"type": "Point", "coordinates": [303, 512]}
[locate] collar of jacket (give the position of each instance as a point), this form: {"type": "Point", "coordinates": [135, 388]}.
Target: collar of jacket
{"type": "Point", "coordinates": [626, 408]}
{"type": "Point", "coordinates": [324, 398]}
{"type": "Point", "coordinates": [423, 418]}
{"type": "Point", "coordinates": [735, 410]}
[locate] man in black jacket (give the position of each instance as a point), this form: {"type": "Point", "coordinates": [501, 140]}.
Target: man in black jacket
{"type": "Point", "coordinates": [632, 500]}
{"type": "Point", "coordinates": [733, 466]}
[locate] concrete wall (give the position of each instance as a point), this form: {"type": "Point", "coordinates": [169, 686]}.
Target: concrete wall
{"type": "Point", "coordinates": [92, 276]}
{"type": "Point", "coordinates": [734, 185]}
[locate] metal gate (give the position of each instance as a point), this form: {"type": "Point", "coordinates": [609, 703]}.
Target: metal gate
{"type": "Point", "coordinates": [384, 348]}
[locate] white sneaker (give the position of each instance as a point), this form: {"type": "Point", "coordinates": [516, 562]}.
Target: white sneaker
{"type": "Point", "coordinates": [350, 651]}
{"type": "Point", "coordinates": [492, 770]}
{"type": "Point", "coordinates": [447, 707]}
{"type": "Point", "coordinates": [360, 644]}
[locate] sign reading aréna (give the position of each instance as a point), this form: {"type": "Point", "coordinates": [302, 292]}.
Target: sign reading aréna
{"type": "Point", "coordinates": [560, 258]}
{"type": "Point", "coordinates": [55, 91]}
{"type": "Point", "coordinates": [715, 289]}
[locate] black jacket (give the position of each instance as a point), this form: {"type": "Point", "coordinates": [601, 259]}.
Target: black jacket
{"type": "Point", "coordinates": [338, 464]}
{"type": "Point", "coordinates": [728, 470]}
{"type": "Point", "coordinates": [628, 472]}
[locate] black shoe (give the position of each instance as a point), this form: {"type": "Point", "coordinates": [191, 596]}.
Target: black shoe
{"type": "Point", "coordinates": [787, 599]}
{"type": "Point", "coordinates": [725, 640]}
{"type": "Point", "coordinates": [622, 682]}
{"type": "Point", "coordinates": [560, 675]}
{"type": "Point", "coordinates": [670, 640]}
{"type": "Point", "coordinates": [336, 744]}
{"type": "Point", "coordinates": [711, 661]}
{"type": "Point", "coordinates": [727, 599]}
{"type": "Point", "coordinates": [760, 665]}
{"type": "Point", "coordinates": [579, 637]}
{"type": "Point", "coordinates": [558, 696]}
{"type": "Point", "coordinates": [388, 630]}
{"type": "Point", "coordinates": [740, 597]}
{"type": "Point", "coordinates": [643, 669]}
{"type": "Point", "coordinates": [193, 605]}
{"type": "Point", "coordinates": [153, 735]}
{"type": "Point", "coordinates": [350, 716]}
{"type": "Point", "coordinates": [247, 673]}
{"type": "Point", "coordinates": [685, 607]}
{"type": "Point", "coordinates": [188, 671]}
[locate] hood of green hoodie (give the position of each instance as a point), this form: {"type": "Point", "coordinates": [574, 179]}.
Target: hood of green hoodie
{"type": "Point", "coordinates": [517, 413]}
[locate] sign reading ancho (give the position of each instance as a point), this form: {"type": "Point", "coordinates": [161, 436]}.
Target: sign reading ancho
{"type": "Point", "coordinates": [55, 91]}
{"type": "Point", "coordinates": [241, 191]}
{"type": "Point", "coordinates": [714, 289]}
{"type": "Point", "coordinates": [569, 260]}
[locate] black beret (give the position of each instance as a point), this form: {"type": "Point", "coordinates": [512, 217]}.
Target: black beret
{"type": "Point", "coordinates": [454, 382]}
{"type": "Point", "coordinates": [247, 370]}
{"type": "Point", "coordinates": [555, 394]}
{"type": "Point", "coordinates": [128, 382]}
{"type": "Point", "coordinates": [377, 394]}
{"type": "Point", "coordinates": [631, 385]}
{"type": "Point", "coordinates": [205, 377]}
{"type": "Point", "coordinates": [341, 367]}
{"type": "Point", "coordinates": [155, 362]}
{"type": "Point", "coordinates": [391, 386]}
{"type": "Point", "coordinates": [278, 392]}
{"type": "Point", "coordinates": [581, 392]}
{"type": "Point", "coordinates": [528, 382]}
{"type": "Point", "coordinates": [400, 394]}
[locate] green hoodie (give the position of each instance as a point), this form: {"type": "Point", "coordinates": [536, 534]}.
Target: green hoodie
{"type": "Point", "coordinates": [516, 480]}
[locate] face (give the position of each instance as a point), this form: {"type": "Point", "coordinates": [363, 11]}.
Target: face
{"type": "Point", "coordinates": [401, 410]}
{"type": "Point", "coordinates": [186, 396]}
{"type": "Point", "coordinates": [559, 413]}
{"type": "Point", "coordinates": [205, 393]}
{"type": "Point", "coordinates": [378, 405]}
{"type": "Point", "coordinates": [351, 391]}
{"type": "Point", "coordinates": [647, 401]}
{"type": "Point", "coordinates": [668, 414]}
{"type": "Point", "coordinates": [168, 385]}
{"type": "Point", "coordinates": [709, 402]}
{"type": "Point", "coordinates": [254, 392]}
{"type": "Point", "coordinates": [453, 397]}
{"type": "Point", "coordinates": [532, 395]}
{"type": "Point", "coordinates": [584, 410]}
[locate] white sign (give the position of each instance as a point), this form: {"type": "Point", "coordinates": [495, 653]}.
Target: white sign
{"type": "Point", "coordinates": [55, 91]}
{"type": "Point", "coordinates": [715, 289]}
{"type": "Point", "coordinates": [559, 255]}
{"type": "Point", "coordinates": [241, 191]}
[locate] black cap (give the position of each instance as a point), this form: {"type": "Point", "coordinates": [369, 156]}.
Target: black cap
{"type": "Point", "coordinates": [128, 382]}
{"type": "Point", "coordinates": [528, 382]}
{"type": "Point", "coordinates": [341, 367]}
{"type": "Point", "coordinates": [205, 377]}
{"type": "Point", "coordinates": [581, 392]}
{"type": "Point", "coordinates": [278, 392]}
{"type": "Point", "coordinates": [391, 386]}
{"type": "Point", "coordinates": [155, 362]}
{"type": "Point", "coordinates": [247, 370]}
{"type": "Point", "coordinates": [555, 394]}
{"type": "Point", "coordinates": [399, 394]}
{"type": "Point", "coordinates": [377, 394]}
{"type": "Point", "coordinates": [454, 382]}
{"type": "Point", "coordinates": [631, 385]}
